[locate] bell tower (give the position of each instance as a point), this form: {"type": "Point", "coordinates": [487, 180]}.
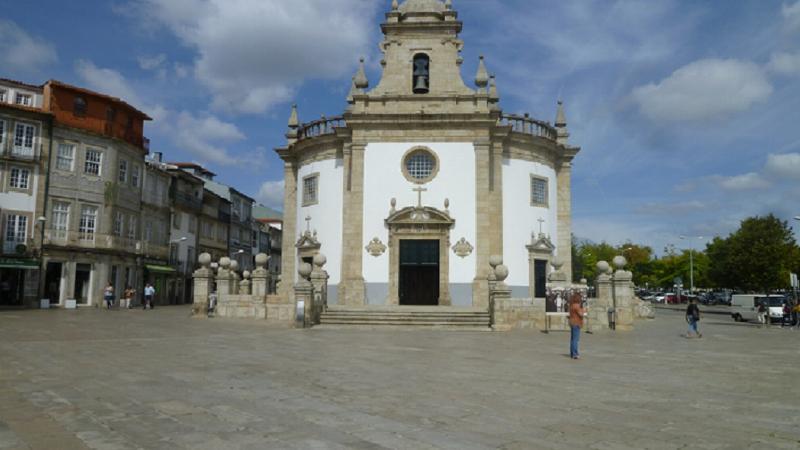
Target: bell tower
{"type": "Point", "coordinates": [421, 51]}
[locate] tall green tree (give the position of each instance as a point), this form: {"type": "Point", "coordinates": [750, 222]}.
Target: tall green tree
{"type": "Point", "coordinates": [757, 257]}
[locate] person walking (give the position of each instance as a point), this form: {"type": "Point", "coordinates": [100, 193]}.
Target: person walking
{"type": "Point", "coordinates": [787, 315]}
{"type": "Point", "coordinates": [576, 313]}
{"type": "Point", "coordinates": [149, 293]}
{"type": "Point", "coordinates": [692, 317]}
{"type": "Point", "coordinates": [125, 302]}
{"type": "Point", "coordinates": [762, 314]}
{"type": "Point", "coordinates": [108, 295]}
{"type": "Point", "coordinates": [796, 311]}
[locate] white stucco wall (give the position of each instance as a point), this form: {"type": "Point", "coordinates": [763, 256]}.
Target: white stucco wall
{"type": "Point", "coordinates": [383, 180]}
{"type": "Point", "coordinates": [326, 215]}
{"type": "Point", "coordinates": [520, 219]}
{"type": "Point", "coordinates": [21, 201]}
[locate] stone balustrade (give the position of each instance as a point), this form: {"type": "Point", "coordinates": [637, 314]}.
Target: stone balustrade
{"type": "Point", "coordinates": [320, 127]}
{"type": "Point", "coordinates": [528, 125]}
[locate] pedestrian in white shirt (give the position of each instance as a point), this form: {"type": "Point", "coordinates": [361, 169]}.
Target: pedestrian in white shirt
{"type": "Point", "coordinates": [149, 293]}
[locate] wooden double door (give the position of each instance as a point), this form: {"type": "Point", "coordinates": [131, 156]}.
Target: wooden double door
{"type": "Point", "coordinates": [419, 272]}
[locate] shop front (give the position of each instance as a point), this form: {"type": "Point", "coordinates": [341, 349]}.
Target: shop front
{"type": "Point", "coordinates": [19, 280]}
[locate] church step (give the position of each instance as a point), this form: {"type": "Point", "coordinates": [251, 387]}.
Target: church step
{"type": "Point", "coordinates": [443, 317]}
{"type": "Point", "coordinates": [407, 309]}
{"type": "Point", "coordinates": [403, 317]}
{"type": "Point", "coordinates": [402, 326]}
{"type": "Point", "coordinates": [374, 321]}
{"type": "Point", "coordinates": [399, 314]}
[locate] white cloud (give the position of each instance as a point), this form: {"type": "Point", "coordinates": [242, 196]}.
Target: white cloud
{"type": "Point", "coordinates": [204, 136]}
{"type": "Point", "coordinates": [253, 54]}
{"type": "Point", "coordinates": [786, 165]}
{"type": "Point", "coordinates": [784, 63]}
{"type": "Point", "coordinates": [791, 13]}
{"type": "Point", "coordinates": [271, 194]}
{"type": "Point", "coordinates": [106, 81]}
{"type": "Point", "coordinates": [669, 209]}
{"type": "Point", "coordinates": [745, 182]}
{"type": "Point", "coordinates": [703, 90]}
{"type": "Point", "coordinates": [152, 62]}
{"type": "Point", "coordinates": [24, 52]}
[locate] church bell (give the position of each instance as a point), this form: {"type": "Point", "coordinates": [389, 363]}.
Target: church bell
{"type": "Point", "coordinates": [421, 86]}
{"type": "Point", "coordinates": [421, 74]}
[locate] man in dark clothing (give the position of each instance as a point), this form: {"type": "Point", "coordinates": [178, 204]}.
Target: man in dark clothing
{"type": "Point", "coordinates": [692, 317]}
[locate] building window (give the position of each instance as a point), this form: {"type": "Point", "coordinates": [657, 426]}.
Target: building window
{"type": "Point", "coordinates": [88, 224]}
{"type": "Point", "coordinates": [192, 224]}
{"type": "Point", "coordinates": [173, 254]}
{"type": "Point", "coordinates": [16, 230]}
{"type": "Point", "coordinates": [135, 176]}
{"type": "Point", "coordinates": [65, 157]}
{"type": "Point", "coordinates": [79, 106]}
{"type": "Point", "coordinates": [208, 229]}
{"type": "Point", "coordinates": [94, 158]}
{"type": "Point", "coordinates": [119, 224]}
{"type": "Point", "coordinates": [420, 165]}
{"type": "Point", "coordinates": [254, 239]}
{"type": "Point", "coordinates": [176, 220]}
{"type": "Point", "coordinates": [2, 134]}
{"type": "Point", "coordinates": [23, 139]}
{"type": "Point", "coordinates": [311, 189]}
{"type": "Point", "coordinates": [20, 178]}
{"type": "Point", "coordinates": [236, 207]}
{"type": "Point", "coordinates": [122, 176]}
{"type": "Point", "coordinates": [421, 75]}
{"type": "Point", "coordinates": [60, 219]}
{"type": "Point", "coordinates": [132, 222]}
{"type": "Point", "coordinates": [24, 99]}
{"type": "Point", "coordinates": [538, 191]}
{"type": "Point", "coordinates": [190, 259]}
{"type": "Point", "coordinates": [3, 94]}
{"type": "Point", "coordinates": [222, 234]}
{"type": "Point", "coordinates": [111, 114]}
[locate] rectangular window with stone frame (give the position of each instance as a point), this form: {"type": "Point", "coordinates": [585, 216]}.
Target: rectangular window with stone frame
{"type": "Point", "coordinates": [93, 162]}
{"type": "Point", "coordinates": [123, 171]}
{"type": "Point", "coordinates": [539, 191]}
{"type": "Point", "coordinates": [65, 157]}
{"type": "Point", "coordinates": [311, 189]}
{"type": "Point", "coordinates": [19, 178]}
{"type": "Point", "coordinates": [2, 135]}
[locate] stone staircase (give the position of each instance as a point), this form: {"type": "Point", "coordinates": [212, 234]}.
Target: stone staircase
{"type": "Point", "coordinates": [409, 317]}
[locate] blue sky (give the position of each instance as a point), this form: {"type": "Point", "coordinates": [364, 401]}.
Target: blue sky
{"type": "Point", "coordinates": [686, 110]}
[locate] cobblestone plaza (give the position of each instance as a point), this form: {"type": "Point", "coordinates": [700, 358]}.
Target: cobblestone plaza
{"type": "Point", "coordinates": [158, 379]}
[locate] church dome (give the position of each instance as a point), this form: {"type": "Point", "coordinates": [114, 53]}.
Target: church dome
{"type": "Point", "coordinates": [422, 6]}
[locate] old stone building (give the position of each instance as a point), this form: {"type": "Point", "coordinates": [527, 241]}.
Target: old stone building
{"type": "Point", "coordinates": [156, 219]}
{"type": "Point", "coordinates": [93, 198]}
{"type": "Point", "coordinates": [24, 147]}
{"type": "Point", "coordinates": [422, 178]}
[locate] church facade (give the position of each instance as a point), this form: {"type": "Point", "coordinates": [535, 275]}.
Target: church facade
{"type": "Point", "coordinates": [422, 179]}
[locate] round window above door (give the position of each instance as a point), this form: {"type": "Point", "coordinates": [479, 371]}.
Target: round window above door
{"type": "Point", "coordinates": [420, 165]}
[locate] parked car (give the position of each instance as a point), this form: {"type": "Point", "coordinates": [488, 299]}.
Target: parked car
{"type": "Point", "coordinates": [673, 299]}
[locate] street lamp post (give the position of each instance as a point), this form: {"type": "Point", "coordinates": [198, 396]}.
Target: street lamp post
{"type": "Point", "coordinates": [691, 264]}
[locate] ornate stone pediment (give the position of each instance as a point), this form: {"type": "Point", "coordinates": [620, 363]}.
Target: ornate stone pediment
{"type": "Point", "coordinates": [463, 248]}
{"type": "Point", "coordinates": [541, 244]}
{"type": "Point", "coordinates": [423, 216]}
{"type": "Point", "coordinates": [308, 240]}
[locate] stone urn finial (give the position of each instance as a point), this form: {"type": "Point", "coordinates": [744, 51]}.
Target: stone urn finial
{"type": "Point", "coordinates": [495, 260]}
{"type": "Point", "coordinates": [320, 260]}
{"type": "Point", "coordinates": [234, 265]}
{"type": "Point", "coordinates": [304, 270]}
{"type": "Point", "coordinates": [205, 260]}
{"type": "Point", "coordinates": [619, 262]}
{"type": "Point", "coordinates": [225, 263]}
{"type": "Point", "coordinates": [557, 263]}
{"type": "Point", "coordinates": [246, 274]}
{"type": "Point", "coordinates": [603, 267]}
{"type": "Point", "coordinates": [261, 260]}
{"type": "Point", "coordinates": [501, 273]}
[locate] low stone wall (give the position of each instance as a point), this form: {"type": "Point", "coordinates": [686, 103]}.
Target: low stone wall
{"type": "Point", "coordinates": [241, 307]}
{"type": "Point", "coordinates": [281, 313]}
{"type": "Point", "coordinates": [519, 314]}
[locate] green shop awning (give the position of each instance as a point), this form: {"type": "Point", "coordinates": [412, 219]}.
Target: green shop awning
{"type": "Point", "coordinates": [14, 263]}
{"type": "Point", "coordinates": [159, 269]}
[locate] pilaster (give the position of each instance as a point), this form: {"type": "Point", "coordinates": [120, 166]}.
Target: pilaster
{"type": "Point", "coordinates": [564, 216]}
{"type": "Point", "coordinates": [483, 226]}
{"type": "Point", "coordinates": [351, 290]}
{"type": "Point", "coordinates": [288, 252]}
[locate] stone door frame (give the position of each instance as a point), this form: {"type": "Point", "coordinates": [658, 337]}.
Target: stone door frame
{"type": "Point", "coordinates": [419, 223]}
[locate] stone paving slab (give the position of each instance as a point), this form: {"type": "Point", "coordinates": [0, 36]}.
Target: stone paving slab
{"type": "Point", "coordinates": [161, 380]}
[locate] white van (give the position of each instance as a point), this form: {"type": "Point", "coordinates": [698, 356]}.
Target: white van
{"type": "Point", "coordinates": [745, 306]}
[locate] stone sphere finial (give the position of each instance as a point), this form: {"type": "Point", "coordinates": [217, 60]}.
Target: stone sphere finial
{"type": "Point", "coordinates": [584, 281]}
{"type": "Point", "coordinates": [225, 262]}
{"type": "Point", "coordinates": [246, 274]}
{"type": "Point", "coordinates": [304, 270]}
{"type": "Point", "coordinates": [320, 260]}
{"type": "Point", "coordinates": [603, 267]}
{"type": "Point", "coordinates": [501, 273]}
{"type": "Point", "coordinates": [495, 260]}
{"type": "Point", "coordinates": [393, 202]}
{"type": "Point", "coordinates": [261, 259]}
{"type": "Point", "coordinates": [557, 263]}
{"type": "Point", "coordinates": [447, 203]}
{"type": "Point", "coordinates": [204, 259]}
{"type": "Point", "coordinates": [619, 262]}
{"type": "Point", "coordinates": [234, 265]}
